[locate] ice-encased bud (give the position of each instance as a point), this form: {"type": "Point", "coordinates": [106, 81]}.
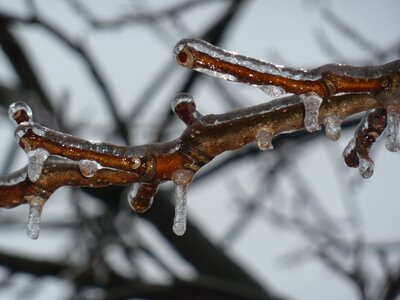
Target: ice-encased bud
{"type": "Point", "coordinates": [311, 102]}
{"type": "Point", "coordinates": [19, 112]}
{"type": "Point", "coordinates": [36, 159]}
{"type": "Point", "coordinates": [273, 90]}
{"type": "Point", "coordinates": [184, 107]}
{"type": "Point", "coordinates": [332, 127]}
{"type": "Point", "coordinates": [264, 139]}
{"type": "Point", "coordinates": [350, 155]}
{"type": "Point", "coordinates": [179, 226]}
{"type": "Point", "coordinates": [35, 212]}
{"type": "Point", "coordinates": [366, 168]}
{"type": "Point", "coordinates": [132, 192]}
{"type": "Point", "coordinates": [88, 167]}
{"type": "Point", "coordinates": [392, 141]}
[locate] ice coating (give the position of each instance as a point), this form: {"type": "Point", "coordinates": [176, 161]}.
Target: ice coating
{"type": "Point", "coordinates": [88, 167]}
{"type": "Point", "coordinates": [392, 141]}
{"type": "Point", "coordinates": [179, 226]}
{"type": "Point", "coordinates": [14, 178]}
{"type": "Point", "coordinates": [264, 139]}
{"type": "Point", "coordinates": [333, 127]}
{"type": "Point", "coordinates": [19, 112]}
{"type": "Point", "coordinates": [366, 167]}
{"type": "Point", "coordinates": [35, 212]}
{"type": "Point", "coordinates": [311, 102]}
{"type": "Point", "coordinates": [36, 159]}
{"type": "Point", "coordinates": [266, 67]}
{"type": "Point", "coordinates": [273, 90]}
{"type": "Point", "coordinates": [132, 192]}
{"type": "Point", "coordinates": [184, 98]}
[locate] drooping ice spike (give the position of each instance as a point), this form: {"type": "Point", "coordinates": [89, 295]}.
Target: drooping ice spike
{"type": "Point", "coordinates": [36, 159]}
{"type": "Point", "coordinates": [35, 212]}
{"type": "Point", "coordinates": [141, 195]}
{"type": "Point", "coordinates": [19, 112]}
{"type": "Point", "coordinates": [185, 108]}
{"type": "Point", "coordinates": [311, 102]}
{"type": "Point", "coordinates": [333, 127]}
{"type": "Point", "coordinates": [179, 226]}
{"type": "Point", "coordinates": [357, 151]}
{"type": "Point", "coordinates": [350, 155]}
{"type": "Point", "coordinates": [182, 179]}
{"type": "Point", "coordinates": [264, 139]}
{"type": "Point", "coordinates": [392, 141]}
{"type": "Point", "coordinates": [88, 167]}
{"type": "Point", "coordinates": [273, 90]}
{"type": "Point", "coordinates": [366, 167]}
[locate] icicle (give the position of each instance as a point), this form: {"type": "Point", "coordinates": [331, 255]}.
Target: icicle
{"type": "Point", "coordinates": [264, 138]}
{"type": "Point", "coordinates": [392, 141]}
{"type": "Point", "coordinates": [182, 179]}
{"type": "Point", "coordinates": [311, 102]}
{"type": "Point", "coordinates": [19, 112]}
{"type": "Point", "coordinates": [332, 127]}
{"type": "Point", "coordinates": [179, 226]}
{"type": "Point", "coordinates": [273, 90]}
{"type": "Point", "coordinates": [366, 167]}
{"type": "Point", "coordinates": [35, 211]}
{"type": "Point", "coordinates": [36, 159]}
{"type": "Point", "coordinates": [88, 167]}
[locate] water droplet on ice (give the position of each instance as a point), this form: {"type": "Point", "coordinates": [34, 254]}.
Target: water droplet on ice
{"type": "Point", "coordinates": [273, 90]}
{"type": "Point", "coordinates": [392, 141]}
{"type": "Point", "coordinates": [88, 167]}
{"type": "Point", "coordinates": [332, 127]}
{"type": "Point", "coordinates": [366, 168]}
{"type": "Point", "coordinates": [19, 112]}
{"type": "Point", "coordinates": [264, 139]}
{"type": "Point", "coordinates": [179, 226]}
{"type": "Point", "coordinates": [311, 102]}
{"type": "Point", "coordinates": [35, 212]}
{"type": "Point", "coordinates": [36, 159]}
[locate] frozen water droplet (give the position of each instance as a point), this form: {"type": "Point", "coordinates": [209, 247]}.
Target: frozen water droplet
{"type": "Point", "coordinates": [350, 156]}
{"type": "Point", "coordinates": [332, 127]}
{"type": "Point", "coordinates": [273, 90]}
{"type": "Point", "coordinates": [392, 141]}
{"type": "Point", "coordinates": [264, 139]}
{"type": "Point", "coordinates": [36, 159]}
{"type": "Point", "coordinates": [88, 167]}
{"type": "Point", "coordinates": [35, 212]}
{"type": "Point", "coordinates": [311, 102]}
{"type": "Point", "coordinates": [179, 226]}
{"type": "Point", "coordinates": [19, 112]}
{"type": "Point", "coordinates": [133, 190]}
{"type": "Point", "coordinates": [366, 167]}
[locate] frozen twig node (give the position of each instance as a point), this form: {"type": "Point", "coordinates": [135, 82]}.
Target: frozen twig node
{"type": "Point", "coordinates": [36, 204]}
{"type": "Point", "coordinates": [311, 102]}
{"type": "Point", "coordinates": [182, 179]}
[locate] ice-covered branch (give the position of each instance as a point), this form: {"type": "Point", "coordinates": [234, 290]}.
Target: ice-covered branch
{"type": "Point", "coordinates": [326, 96]}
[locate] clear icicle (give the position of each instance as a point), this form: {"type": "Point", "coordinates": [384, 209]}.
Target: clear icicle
{"type": "Point", "coordinates": [36, 159]}
{"type": "Point", "coordinates": [392, 141]}
{"type": "Point", "coordinates": [366, 168]}
{"type": "Point", "coordinates": [311, 102]}
{"type": "Point", "coordinates": [332, 127]}
{"type": "Point", "coordinates": [35, 213]}
{"type": "Point", "coordinates": [264, 139]}
{"type": "Point", "coordinates": [273, 90]}
{"type": "Point", "coordinates": [88, 167]}
{"type": "Point", "coordinates": [19, 106]}
{"type": "Point", "coordinates": [179, 226]}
